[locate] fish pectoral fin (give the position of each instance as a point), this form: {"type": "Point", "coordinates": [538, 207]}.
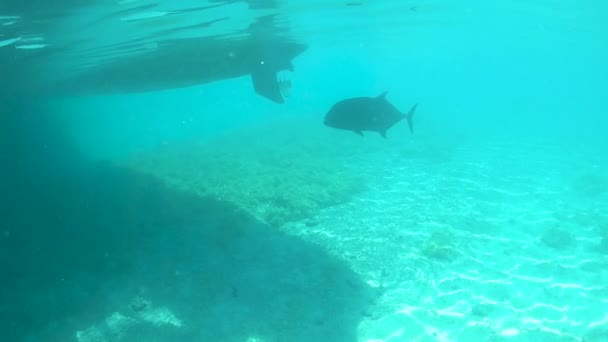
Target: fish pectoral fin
{"type": "Point", "coordinates": [359, 132]}
{"type": "Point", "coordinates": [383, 134]}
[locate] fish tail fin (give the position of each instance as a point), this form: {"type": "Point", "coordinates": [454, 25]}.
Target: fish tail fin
{"type": "Point", "coordinates": [410, 117]}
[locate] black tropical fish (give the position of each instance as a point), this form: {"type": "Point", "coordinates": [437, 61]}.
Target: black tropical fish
{"type": "Point", "coordinates": [360, 114]}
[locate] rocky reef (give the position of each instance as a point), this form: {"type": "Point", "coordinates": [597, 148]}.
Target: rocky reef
{"type": "Point", "coordinates": [278, 172]}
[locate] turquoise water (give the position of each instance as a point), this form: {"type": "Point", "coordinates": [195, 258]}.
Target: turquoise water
{"type": "Point", "coordinates": [150, 194]}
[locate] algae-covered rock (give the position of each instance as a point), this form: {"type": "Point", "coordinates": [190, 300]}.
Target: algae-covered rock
{"type": "Point", "coordinates": [141, 319]}
{"type": "Point", "coordinates": [557, 238]}
{"type": "Point", "coordinates": [277, 173]}
{"type": "Point", "coordinates": [440, 246]}
{"type": "Point", "coordinates": [590, 185]}
{"type": "Point", "coordinates": [604, 238]}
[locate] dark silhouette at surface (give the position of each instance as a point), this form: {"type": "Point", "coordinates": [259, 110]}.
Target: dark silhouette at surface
{"type": "Point", "coordinates": [93, 58]}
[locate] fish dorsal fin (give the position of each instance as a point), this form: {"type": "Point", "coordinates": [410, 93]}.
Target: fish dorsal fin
{"type": "Point", "coordinates": [382, 96]}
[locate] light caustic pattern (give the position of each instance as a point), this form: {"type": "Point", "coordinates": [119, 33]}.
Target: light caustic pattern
{"type": "Point", "coordinates": [500, 243]}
